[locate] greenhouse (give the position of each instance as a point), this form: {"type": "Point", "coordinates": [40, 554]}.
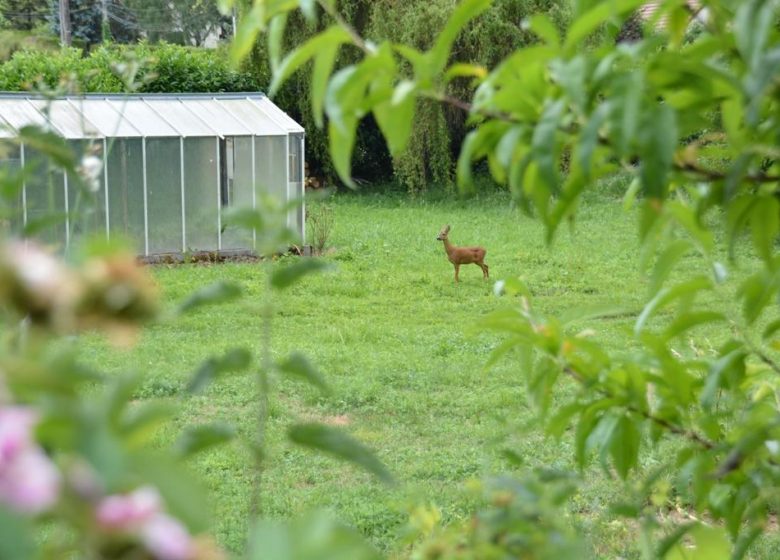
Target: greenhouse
{"type": "Point", "coordinates": [173, 164]}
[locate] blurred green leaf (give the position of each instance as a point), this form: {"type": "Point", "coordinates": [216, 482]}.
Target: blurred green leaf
{"type": "Point", "coordinates": [309, 10]}
{"type": "Point", "coordinates": [324, 61]}
{"type": "Point", "coordinates": [314, 537]}
{"type": "Point", "coordinates": [218, 292]}
{"type": "Point", "coordinates": [234, 360]}
{"type": "Point", "coordinates": [544, 144]}
{"type": "Point", "coordinates": [275, 37]}
{"type": "Point", "coordinates": [560, 421]}
{"type": "Point", "coordinates": [771, 329]}
{"type": "Point", "coordinates": [624, 445]}
{"type": "Point", "coordinates": [16, 542]}
{"type": "Point", "coordinates": [296, 365]}
{"type": "Point", "coordinates": [571, 75]}
{"type": "Point", "coordinates": [102, 448]}
{"type": "Point", "coordinates": [285, 276]}
{"type": "Point", "coordinates": [686, 290]}
{"type": "Point", "coordinates": [198, 438]}
{"type": "Point", "coordinates": [667, 261]}
{"type": "Point", "coordinates": [326, 42]}
{"type": "Point", "coordinates": [765, 226]}
{"type": "Point", "coordinates": [658, 140]}
{"type": "Point", "coordinates": [245, 36]}
{"type": "Point", "coordinates": [752, 24]}
{"type": "Point", "coordinates": [395, 117]}
{"type": "Point", "coordinates": [339, 444]}
{"type": "Point", "coordinates": [467, 150]}
{"type": "Point", "coordinates": [709, 543]}
{"type": "Point", "coordinates": [588, 22]}
{"type": "Point", "coordinates": [757, 292]}
{"type": "Point", "coordinates": [589, 138]}
{"type": "Point", "coordinates": [464, 12]}
{"type": "Point", "coordinates": [38, 225]}
{"type": "Point", "coordinates": [541, 24]}
{"type": "Point", "coordinates": [225, 6]}
{"type": "Point", "coordinates": [689, 320]}
{"type": "Point", "coordinates": [48, 144]}
{"type": "Point", "coordinates": [625, 112]}
{"type": "Point", "coordinates": [725, 371]}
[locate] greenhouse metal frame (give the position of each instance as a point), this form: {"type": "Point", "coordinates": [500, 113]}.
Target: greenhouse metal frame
{"type": "Point", "coordinates": [173, 163]}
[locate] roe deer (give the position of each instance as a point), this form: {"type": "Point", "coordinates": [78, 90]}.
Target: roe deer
{"type": "Point", "coordinates": [463, 255]}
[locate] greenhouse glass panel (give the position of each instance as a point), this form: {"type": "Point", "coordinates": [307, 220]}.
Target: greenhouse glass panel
{"type": "Point", "coordinates": [87, 208]}
{"type": "Point", "coordinates": [108, 118]}
{"type": "Point", "coordinates": [277, 115]}
{"type": "Point", "coordinates": [143, 118]}
{"type": "Point", "coordinates": [20, 112]}
{"type": "Point", "coordinates": [69, 120]}
{"type": "Point", "coordinates": [126, 191]}
{"type": "Point", "coordinates": [271, 166]}
{"type": "Point", "coordinates": [11, 164]}
{"type": "Point", "coordinates": [186, 122]}
{"type": "Point", "coordinates": [251, 115]}
{"type": "Point", "coordinates": [201, 194]}
{"type": "Point", "coordinates": [45, 199]}
{"type": "Point", "coordinates": [226, 123]}
{"type": "Point", "coordinates": [296, 178]}
{"type": "Point", "coordinates": [163, 195]}
{"type": "Point", "coordinates": [241, 192]}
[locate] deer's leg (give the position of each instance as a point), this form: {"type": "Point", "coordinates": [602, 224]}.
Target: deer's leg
{"type": "Point", "coordinates": [485, 270]}
{"type": "Point", "coordinates": [457, 269]}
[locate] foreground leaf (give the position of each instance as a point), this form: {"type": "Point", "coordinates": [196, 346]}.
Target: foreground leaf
{"type": "Point", "coordinates": [288, 275]}
{"type": "Point", "coordinates": [234, 360]}
{"type": "Point", "coordinates": [341, 445]}
{"type": "Point", "coordinates": [198, 438]}
{"type": "Point", "coordinates": [218, 292]}
{"type": "Point", "coordinates": [298, 366]}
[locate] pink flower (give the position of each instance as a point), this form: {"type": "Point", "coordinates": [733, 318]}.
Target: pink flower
{"type": "Point", "coordinates": [166, 538]}
{"type": "Point", "coordinates": [128, 512]}
{"type": "Point", "coordinates": [16, 425]}
{"type": "Point", "coordinates": [140, 513]}
{"type": "Point", "coordinates": [29, 481]}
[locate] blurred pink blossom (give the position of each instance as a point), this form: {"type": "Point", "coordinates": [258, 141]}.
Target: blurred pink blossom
{"type": "Point", "coordinates": [128, 512]}
{"type": "Point", "coordinates": [16, 425]}
{"type": "Point", "coordinates": [167, 539]}
{"type": "Point", "coordinates": [29, 481]}
{"type": "Point", "coordinates": [140, 513]}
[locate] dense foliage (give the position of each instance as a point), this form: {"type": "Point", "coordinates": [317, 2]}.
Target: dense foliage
{"type": "Point", "coordinates": [162, 68]}
{"type": "Point", "coordinates": [438, 130]}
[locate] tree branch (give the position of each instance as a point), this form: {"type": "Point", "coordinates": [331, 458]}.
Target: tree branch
{"type": "Point", "coordinates": [687, 167]}
{"type": "Point", "coordinates": [664, 423]}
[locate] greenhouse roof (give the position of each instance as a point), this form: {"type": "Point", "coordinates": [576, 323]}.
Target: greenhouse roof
{"type": "Point", "coordinates": [145, 115]}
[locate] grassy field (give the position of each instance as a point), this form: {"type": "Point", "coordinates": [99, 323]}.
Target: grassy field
{"type": "Point", "coordinates": [395, 337]}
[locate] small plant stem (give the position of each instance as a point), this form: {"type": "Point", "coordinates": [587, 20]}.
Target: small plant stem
{"type": "Point", "coordinates": [263, 388]}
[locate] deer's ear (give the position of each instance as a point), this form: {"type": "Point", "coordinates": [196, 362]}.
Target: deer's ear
{"type": "Point", "coordinates": [447, 228]}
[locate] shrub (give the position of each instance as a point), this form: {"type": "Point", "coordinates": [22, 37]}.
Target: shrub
{"type": "Point", "coordinates": [169, 68]}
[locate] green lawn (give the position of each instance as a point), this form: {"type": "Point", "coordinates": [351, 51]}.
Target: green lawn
{"type": "Point", "coordinates": [395, 337]}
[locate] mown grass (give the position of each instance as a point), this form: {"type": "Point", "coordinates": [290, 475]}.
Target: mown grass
{"type": "Point", "coordinates": [396, 339]}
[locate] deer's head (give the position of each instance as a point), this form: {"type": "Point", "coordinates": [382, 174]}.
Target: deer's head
{"type": "Point", "coordinates": [443, 233]}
